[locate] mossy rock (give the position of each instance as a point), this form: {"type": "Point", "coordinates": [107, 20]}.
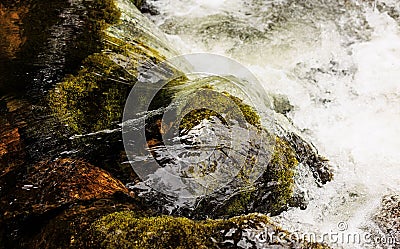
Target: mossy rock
{"type": "Point", "coordinates": [307, 154]}
{"type": "Point", "coordinates": [271, 193]}
{"type": "Point", "coordinates": [280, 177]}
{"type": "Point", "coordinates": [91, 100]}
{"type": "Point", "coordinates": [65, 227]}
{"type": "Point", "coordinates": [224, 104]}
{"type": "Point", "coordinates": [127, 230]}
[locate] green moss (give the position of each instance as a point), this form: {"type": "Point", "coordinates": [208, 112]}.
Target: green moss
{"type": "Point", "coordinates": [249, 113]}
{"type": "Point", "coordinates": [238, 204]}
{"type": "Point", "coordinates": [91, 100]}
{"type": "Point", "coordinates": [281, 173]}
{"type": "Point", "coordinates": [135, 51]}
{"type": "Point", "coordinates": [165, 95]}
{"type": "Point", "coordinates": [223, 104]}
{"type": "Point", "coordinates": [127, 230]}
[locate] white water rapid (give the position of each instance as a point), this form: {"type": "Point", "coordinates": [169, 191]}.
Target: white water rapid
{"type": "Point", "coordinates": [338, 62]}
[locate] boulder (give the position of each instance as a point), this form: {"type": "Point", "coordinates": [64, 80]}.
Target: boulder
{"type": "Point", "coordinates": [53, 192]}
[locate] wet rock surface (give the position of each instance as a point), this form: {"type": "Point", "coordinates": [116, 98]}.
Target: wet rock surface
{"type": "Point", "coordinates": [57, 195]}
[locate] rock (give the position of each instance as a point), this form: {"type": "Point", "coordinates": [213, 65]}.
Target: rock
{"type": "Point", "coordinates": [12, 147]}
{"type": "Point", "coordinates": [89, 103]}
{"type": "Point", "coordinates": [68, 229]}
{"type": "Point", "coordinates": [55, 184]}
{"type": "Point", "coordinates": [271, 193]}
{"type": "Point", "coordinates": [281, 103]}
{"type": "Point", "coordinates": [306, 153]}
{"type": "Point", "coordinates": [68, 118]}
{"type": "Point", "coordinates": [263, 183]}
{"type": "Point", "coordinates": [11, 35]}
{"type": "Point", "coordinates": [60, 194]}
{"type": "Point", "coordinates": [148, 8]}
{"type": "Point", "coordinates": [126, 229]}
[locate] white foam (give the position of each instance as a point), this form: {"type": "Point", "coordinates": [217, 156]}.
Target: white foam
{"type": "Point", "coordinates": [346, 98]}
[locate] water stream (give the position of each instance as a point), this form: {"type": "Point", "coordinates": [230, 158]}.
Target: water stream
{"type": "Point", "coordinates": [338, 62]}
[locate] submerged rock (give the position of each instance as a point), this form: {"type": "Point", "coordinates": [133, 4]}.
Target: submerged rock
{"type": "Point", "coordinates": [53, 184]}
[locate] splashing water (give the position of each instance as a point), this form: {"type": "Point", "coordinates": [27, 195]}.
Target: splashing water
{"type": "Point", "coordinates": [339, 64]}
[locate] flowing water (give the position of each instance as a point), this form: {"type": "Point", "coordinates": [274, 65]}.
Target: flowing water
{"type": "Point", "coordinates": [338, 62]}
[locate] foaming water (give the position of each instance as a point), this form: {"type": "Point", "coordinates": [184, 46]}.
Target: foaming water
{"type": "Point", "coordinates": [339, 64]}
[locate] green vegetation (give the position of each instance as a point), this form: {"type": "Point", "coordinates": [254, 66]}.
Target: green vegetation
{"type": "Point", "coordinates": [238, 204]}
{"type": "Point", "coordinates": [281, 173]}
{"type": "Point", "coordinates": [224, 107]}
{"type": "Point", "coordinates": [127, 230]}
{"type": "Point", "coordinates": [91, 100]}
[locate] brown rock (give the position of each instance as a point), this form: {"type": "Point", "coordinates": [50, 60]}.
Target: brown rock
{"type": "Point", "coordinates": [56, 200]}
{"type": "Point", "coordinates": [69, 180]}
{"type": "Point", "coordinates": [12, 154]}
{"type": "Point", "coordinates": [11, 32]}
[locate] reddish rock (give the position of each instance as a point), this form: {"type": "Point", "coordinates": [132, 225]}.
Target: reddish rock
{"type": "Point", "coordinates": [68, 180]}
{"type": "Point", "coordinates": [58, 199]}
{"type": "Point", "coordinates": [11, 32]}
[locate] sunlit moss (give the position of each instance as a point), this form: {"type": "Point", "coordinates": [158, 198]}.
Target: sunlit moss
{"type": "Point", "coordinates": [91, 100]}
{"type": "Point", "coordinates": [281, 173]}
{"type": "Point", "coordinates": [251, 116]}
{"type": "Point", "coordinates": [127, 230]}
{"type": "Point", "coordinates": [223, 104]}
{"type": "Point", "coordinates": [238, 203]}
